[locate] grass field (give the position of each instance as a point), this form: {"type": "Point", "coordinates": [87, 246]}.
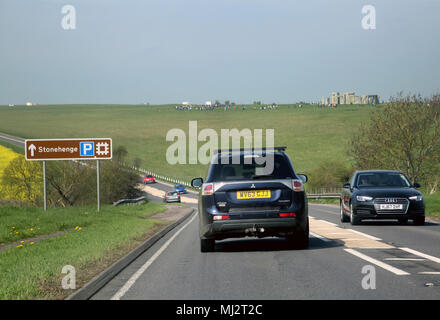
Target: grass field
{"type": "Point", "coordinates": [90, 243]}
{"type": "Point", "coordinates": [312, 134]}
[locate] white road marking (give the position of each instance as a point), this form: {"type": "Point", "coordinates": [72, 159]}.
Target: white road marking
{"type": "Point", "coordinates": [429, 272]}
{"type": "Point", "coordinates": [320, 237]}
{"type": "Point", "coordinates": [12, 139]}
{"type": "Point", "coordinates": [404, 259]}
{"type": "Point", "coordinates": [365, 235]}
{"type": "Point", "coordinates": [122, 291]}
{"type": "Point", "coordinates": [420, 254]}
{"type": "Point", "coordinates": [377, 262]}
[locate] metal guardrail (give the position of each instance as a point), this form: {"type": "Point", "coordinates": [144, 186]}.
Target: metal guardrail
{"type": "Point", "coordinates": [130, 201]}
{"type": "Point", "coordinates": [159, 176]}
{"type": "Point", "coordinates": [324, 196]}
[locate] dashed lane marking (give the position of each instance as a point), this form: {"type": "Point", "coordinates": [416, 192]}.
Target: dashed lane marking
{"type": "Point", "coordinates": [404, 259]}
{"type": "Point", "coordinates": [429, 272]}
{"type": "Point", "coordinates": [421, 254]}
{"type": "Point", "coordinates": [378, 263]}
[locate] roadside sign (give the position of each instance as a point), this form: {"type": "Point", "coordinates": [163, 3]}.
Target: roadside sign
{"type": "Point", "coordinates": [68, 149]}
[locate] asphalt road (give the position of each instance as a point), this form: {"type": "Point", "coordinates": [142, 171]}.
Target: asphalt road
{"type": "Point", "coordinates": [405, 260]}
{"type": "Point", "coordinates": [174, 268]}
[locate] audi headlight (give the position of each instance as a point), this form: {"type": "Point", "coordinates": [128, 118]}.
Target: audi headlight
{"type": "Point", "coordinates": [416, 198]}
{"type": "Point", "coordinates": [363, 198]}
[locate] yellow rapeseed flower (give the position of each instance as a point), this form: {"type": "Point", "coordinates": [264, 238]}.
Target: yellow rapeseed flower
{"type": "Point", "coordinates": [20, 246]}
{"type": "Point", "coordinates": [32, 242]}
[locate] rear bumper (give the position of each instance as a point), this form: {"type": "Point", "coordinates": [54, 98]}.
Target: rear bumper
{"type": "Point", "coordinates": [250, 227]}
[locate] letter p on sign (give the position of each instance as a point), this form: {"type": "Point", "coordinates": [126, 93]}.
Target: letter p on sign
{"type": "Point", "coordinates": [87, 149]}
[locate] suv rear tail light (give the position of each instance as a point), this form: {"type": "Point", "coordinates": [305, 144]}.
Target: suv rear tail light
{"type": "Point", "coordinates": [220, 217]}
{"type": "Point", "coordinates": [287, 214]}
{"type": "Point", "coordinates": [297, 185]}
{"type": "Point", "coordinates": [208, 189]}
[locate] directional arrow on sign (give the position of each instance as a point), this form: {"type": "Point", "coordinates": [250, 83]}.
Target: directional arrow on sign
{"type": "Point", "coordinates": [32, 149]}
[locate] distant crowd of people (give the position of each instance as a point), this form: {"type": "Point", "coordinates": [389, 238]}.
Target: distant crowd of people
{"type": "Point", "coordinates": [224, 107]}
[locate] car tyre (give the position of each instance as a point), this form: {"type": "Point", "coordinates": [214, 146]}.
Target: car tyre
{"type": "Point", "coordinates": [207, 245]}
{"type": "Point", "coordinates": [353, 219]}
{"type": "Point", "coordinates": [344, 217]}
{"type": "Point", "coordinates": [299, 240]}
{"type": "Point", "coordinates": [419, 221]}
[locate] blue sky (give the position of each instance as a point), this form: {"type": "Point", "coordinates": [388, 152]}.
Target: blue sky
{"type": "Point", "coordinates": [168, 51]}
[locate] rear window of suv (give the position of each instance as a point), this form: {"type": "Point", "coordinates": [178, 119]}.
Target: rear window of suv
{"type": "Point", "coordinates": [247, 171]}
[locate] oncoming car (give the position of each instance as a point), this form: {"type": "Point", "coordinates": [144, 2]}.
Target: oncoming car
{"type": "Point", "coordinates": [148, 178]}
{"type": "Point", "coordinates": [171, 196]}
{"type": "Point", "coordinates": [237, 200]}
{"type": "Point", "coordinates": [180, 188]}
{"type": "Point", "coordinates": [381, 194]}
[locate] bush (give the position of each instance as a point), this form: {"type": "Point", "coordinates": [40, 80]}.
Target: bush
{"type": "Point", "coordinates": [68, 183]}
{"type": "Point", "coordinates": [329, 175]}
{"type": "Point", "coordinates": [22, 181]}
{"type": "Point", "coordinates": [403, 135]}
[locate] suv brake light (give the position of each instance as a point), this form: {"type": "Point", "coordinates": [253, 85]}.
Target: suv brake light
{"type": "Point", "coordinates": [297, 185]}
{"type": "Point", "coordinates": [287, 214]}
{"type": "Point", "coordinates": [208, 189]}
{"type": "Point", "coordinates": [221, 217]}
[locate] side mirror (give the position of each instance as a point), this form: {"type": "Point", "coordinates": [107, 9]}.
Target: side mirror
{"type": "Point", "coordinates": [346, 186]}
{"type": "Point", "coordinates": [196, 183]}
{"type": "Point", "coordinates": [416, 185]}
{"type": "Point", "coordinates": [303, 177]}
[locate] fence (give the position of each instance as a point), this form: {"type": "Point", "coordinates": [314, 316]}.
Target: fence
{"type": "Point", "coordinates": [159, 176]}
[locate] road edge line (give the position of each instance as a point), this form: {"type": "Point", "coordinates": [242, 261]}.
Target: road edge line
{"type": "Point", "coordinates": [99, 281]}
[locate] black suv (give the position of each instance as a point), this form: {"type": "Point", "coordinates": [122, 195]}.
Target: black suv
{"type": "Point", "coordinates": [241, 197]}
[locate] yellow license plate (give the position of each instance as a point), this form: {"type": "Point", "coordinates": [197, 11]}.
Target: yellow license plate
{"type": "Point", "coordinates": [254, 194]}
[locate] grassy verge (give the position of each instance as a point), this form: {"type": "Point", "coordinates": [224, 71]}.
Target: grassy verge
{"type": "Point", "coordinates": [432, 203]}
{"type": "Point", "coordinates": [91, 242]}
{"type": "Point", "coordinates": [324, 201]}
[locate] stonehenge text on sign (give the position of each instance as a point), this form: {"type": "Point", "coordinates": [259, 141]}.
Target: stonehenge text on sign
{"type": "Point", "coordinates": [68, 149]}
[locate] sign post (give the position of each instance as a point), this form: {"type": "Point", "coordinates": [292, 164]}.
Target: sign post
{"type": "Point", "coordinates": [44, 185]}
{"type": "Point", "coordinates": [97, 184]}
{"type": "Point", "coordinates": [69, 149]}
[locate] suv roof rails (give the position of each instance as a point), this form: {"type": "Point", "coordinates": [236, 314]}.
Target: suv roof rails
{"type": "Point", "coordinates": [250, 149]}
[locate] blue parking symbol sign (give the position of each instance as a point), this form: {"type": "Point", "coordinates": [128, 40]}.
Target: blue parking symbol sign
{"type": "Point", "coordinates": [87, 149]}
